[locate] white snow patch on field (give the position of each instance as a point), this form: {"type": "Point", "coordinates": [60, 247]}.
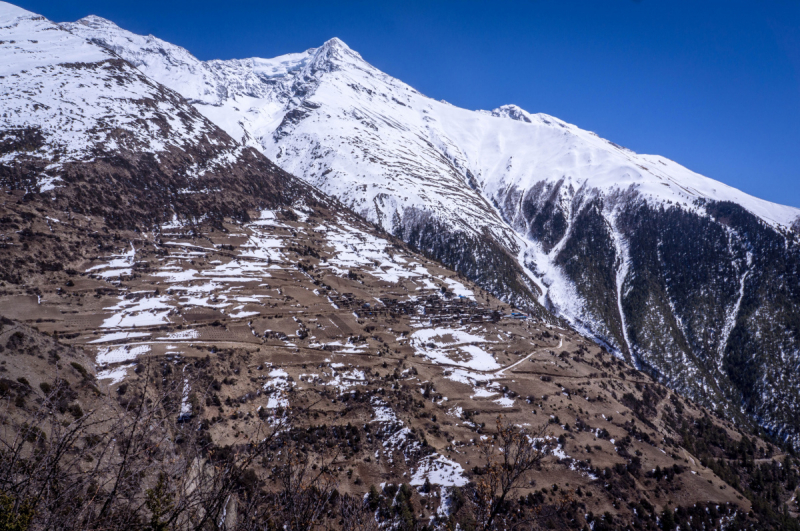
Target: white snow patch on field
{"type": "Point", "coordinates": [439, 470]}
{"type": "Point", "coordinates": [116, 336]}
{"type": "Point", "coordinates": [504, 401]}
{"type": "Point", "coordinates": [183, 334]}
{"type": "Point", "coordinates": [458, 289]}
{"type": "Point", "coordinates": [458, 337]}
{"type": "Point", "coordinates": [116, 375]}
{"type": "Point", "coordinates": [125, 353]}
{"type": "Point", "coordinates": [277, 387]}
{"type": "Point", "coordinates": [457, 348]}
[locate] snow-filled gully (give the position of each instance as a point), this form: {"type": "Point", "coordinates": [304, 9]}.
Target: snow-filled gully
{"type": "Point", "coordinates": [621, 252]}
{"type": "Point", "coordinates": [730, 319]}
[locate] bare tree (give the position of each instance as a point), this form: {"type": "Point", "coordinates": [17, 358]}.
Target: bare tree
{"type": "Point", "coordinates": [300, 492]}
{"type": "Point", "coordinates": [93, 472]}
{"type": "Point", "coordinates": [508, 457]}
{"type": "Point", "coordinates": [356, 515]}
{"type": "Point", "coordinates": [138, 463]}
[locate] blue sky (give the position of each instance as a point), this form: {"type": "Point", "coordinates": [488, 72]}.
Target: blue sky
{"type": "Point", "coordinates": [713, 85]}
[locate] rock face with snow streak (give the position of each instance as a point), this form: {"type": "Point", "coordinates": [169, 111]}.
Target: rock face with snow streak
{"type": "Point", "coordinates": [683, 275]}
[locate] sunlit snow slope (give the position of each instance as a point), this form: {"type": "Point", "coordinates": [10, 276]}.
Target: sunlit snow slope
{"type": "Point", "coordinates": [685, 276]}
{"type": "Point", "coordinates": [78, 94]}
{"type": "Point", "coordinates": [98, 136]}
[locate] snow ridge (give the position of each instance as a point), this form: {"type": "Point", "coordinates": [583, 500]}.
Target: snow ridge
{"type": "Point", "coordinates": [328, 116]}
{"type": "Point", "coordinates": [81, 96]}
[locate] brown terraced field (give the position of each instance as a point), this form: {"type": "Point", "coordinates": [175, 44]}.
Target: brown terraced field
{"type": "Point", "coordinates": [352, 328]}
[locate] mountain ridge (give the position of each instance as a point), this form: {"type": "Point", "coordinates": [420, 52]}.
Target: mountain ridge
{"type": "Point", "coordinates": [334, 50]}
{"type": "Point", "coordinates": [326, 55]}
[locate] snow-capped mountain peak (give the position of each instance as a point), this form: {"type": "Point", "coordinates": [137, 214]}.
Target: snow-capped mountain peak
{"type": "Point", "coordinates": [96, 22]}
{"type": "Point", "coordinates": [336, 48]}
{"type": "Point", "coordinates": [265, 102]}
{"type": "Point", "coordinates": [512, 111]}
{"type": "Point", "coordinates": [29, 42]}
{"type": "Point", "coordinates": [332, 55]}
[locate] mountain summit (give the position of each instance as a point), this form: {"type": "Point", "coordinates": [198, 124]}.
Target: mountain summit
{"type": "Point", "coordinates": [512, 111]}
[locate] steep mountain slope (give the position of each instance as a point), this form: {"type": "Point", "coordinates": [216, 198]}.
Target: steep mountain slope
{"type": "Point", "coordinates": [261, 308]}
{"type": "Point", "coordinates": [307, 310]}
{"type": "Point", "coordinates": [94, 135]}
{"type": "Point", "coordinates": [686, 277]}
{"type": "Point", "coordinates": [328, 116]}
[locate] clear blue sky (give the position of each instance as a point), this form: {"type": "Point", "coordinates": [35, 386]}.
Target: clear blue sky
{"type": "Point", "coordinates": [714, 85]}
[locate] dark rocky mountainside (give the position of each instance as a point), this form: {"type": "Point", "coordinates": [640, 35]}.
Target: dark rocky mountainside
{"type": "Point", "coordinates": [704, 300]}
